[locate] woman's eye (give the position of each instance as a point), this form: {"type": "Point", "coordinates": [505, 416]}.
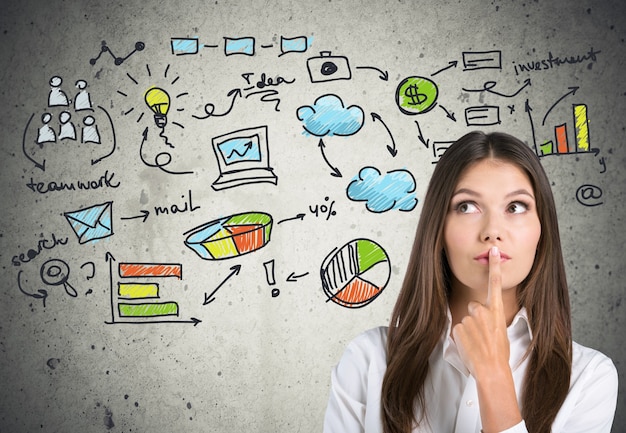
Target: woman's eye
{"type": "Point", "coordinates": [466, 207]}
{"type": "Point", "coordinates": [518, 207]}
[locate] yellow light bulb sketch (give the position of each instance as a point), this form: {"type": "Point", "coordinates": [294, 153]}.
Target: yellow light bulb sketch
{"type": "Point", "coordinates": [158, 101]}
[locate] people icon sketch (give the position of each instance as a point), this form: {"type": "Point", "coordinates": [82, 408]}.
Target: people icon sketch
{"type": "Point", "coordinates": [481, 328]}
{"type": "Point", "coordinates": [67, 130]}
{"type": "Point", "coordinates": [46, 134]}
{"type": "Point", "coordinates": [90, 132]}
{"type": "Point", "coordinates": [57, 97]}
{"type": "Point", "coordinates": [82, 101]}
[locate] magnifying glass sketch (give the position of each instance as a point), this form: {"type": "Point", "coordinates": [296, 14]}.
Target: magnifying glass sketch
{"type": "Point", "coordinates": [56, 272]}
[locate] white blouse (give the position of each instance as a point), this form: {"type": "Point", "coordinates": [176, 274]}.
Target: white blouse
{"type": "Point", "coordinates": [450, 392]}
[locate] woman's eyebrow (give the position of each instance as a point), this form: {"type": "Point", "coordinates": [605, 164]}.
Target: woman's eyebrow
{"type": "Point", "coordinates": [521, 191]}
{"type": "Point", "coordinates": [466, 191]}
{"type": "Point", "coordinates": [473, 193]}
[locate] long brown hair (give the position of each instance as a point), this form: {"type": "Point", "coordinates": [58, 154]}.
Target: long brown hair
{"type": "Point", "coordinates": [419, 316]}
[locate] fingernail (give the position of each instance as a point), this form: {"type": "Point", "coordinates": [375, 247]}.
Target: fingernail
{"type": "Point", "coordinates": [495, 251]}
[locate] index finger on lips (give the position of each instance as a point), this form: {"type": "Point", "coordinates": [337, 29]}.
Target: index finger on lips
{"type": "Point", "coordinates": [494, 292]}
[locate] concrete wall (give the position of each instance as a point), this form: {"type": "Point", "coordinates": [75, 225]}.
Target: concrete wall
{"type": "Point", "coordinates": [128, 306]}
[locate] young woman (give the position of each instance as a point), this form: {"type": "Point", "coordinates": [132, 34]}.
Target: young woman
{"type": "Point", "coordinates": [480, 336]}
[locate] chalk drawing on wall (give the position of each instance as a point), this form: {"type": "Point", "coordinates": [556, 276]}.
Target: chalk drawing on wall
{"type": "Point", "coordinates": [53, 273]}
{"type": "Point", "coordinates": [156, 98]}
{"type": "Point", "coordinates": [589, 195]}
{"type": "Point", "coordinates": [56, 272]}
{"type": "Point", "coordinates": [392, 147]}
{"type": "Point", "coordinates": [562, 144]}
{"type": "Point", "coordinates": [327, 67]}
{"type": "Point", "coordinates": [243, 157]}
{"type": "Point", "coordinates": [356, 273]}
{"type": "Point", "coordinates": [208, 298]}
{"type": "Point", "coordinates": [328, 116]}
{"type": "Point", "coordinates": [245, 46]}
{"type": "Point", "coordinates": [489, 86]}
{"type": "Point", "coordinates": [383, 192]}
{"type": "Point", "coordinates": [439, 147]}
{"type": "Point", "coordinates": [297, 44]}
{"type": "Point", "coordinates": [483, 115]}
{"type": "Point", "coordinates": [92, 223]}
{"type": "Point", "coordinates": [270, 276]}
{"type": "Point", "coordinates": [324, 210]}
{"type": "Point", "coordinates": [416, 95]}
{"type": "Point", "coordinates": [68, 121]}
{"type": "Point", "coordinates": [474, 60]}
{"type": "Point", "coordinates": [263, 86]}
{"type": "Point", "coordinates": [57, 97]}
{"type": "Point", "coordinates": [137, 293]}
{"type": "Point", "coordinates": [160, 101]}
{"type": "Point", "coordinates": [104, 48]}
{"type": "Point", "coordinates": [231, 236]}
{"type": "Point", "coordinates": [163, 158]}
{"type": "Point", "coordinates": [186, 46]}
{"type": "Point", "coordinates": [334, 170]}
{"type": "Point", "coordinates": [40, 294]}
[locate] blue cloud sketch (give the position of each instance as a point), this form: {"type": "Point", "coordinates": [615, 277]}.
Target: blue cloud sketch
{"type": "Point", "coordinates": [383, 192]}
{"type": "Point", "coordinates": [328, 116]}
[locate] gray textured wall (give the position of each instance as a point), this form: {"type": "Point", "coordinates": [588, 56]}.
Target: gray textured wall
{"type": "Point", "coordinates": [255, 335]}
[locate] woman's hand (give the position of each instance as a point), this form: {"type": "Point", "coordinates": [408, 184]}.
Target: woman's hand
{"type": "Point", "coordinates": [483, 344]}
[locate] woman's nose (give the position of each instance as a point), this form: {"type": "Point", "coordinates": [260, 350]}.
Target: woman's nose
{"type": "Point", "coordinates": [492, 230]}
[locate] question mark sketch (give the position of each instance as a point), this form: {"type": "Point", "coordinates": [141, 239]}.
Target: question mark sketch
{"type": "Point", "coordinates": [93, 269]}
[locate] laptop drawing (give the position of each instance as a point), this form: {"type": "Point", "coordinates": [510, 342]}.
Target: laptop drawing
{"type": "Point", "coordinates": [243, 158]}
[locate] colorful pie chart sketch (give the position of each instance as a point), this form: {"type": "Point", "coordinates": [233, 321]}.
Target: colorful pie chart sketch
{"type": "Point", "coordinates": [355, 274]}
{"type": "Point", "coordinates": [232, 236]}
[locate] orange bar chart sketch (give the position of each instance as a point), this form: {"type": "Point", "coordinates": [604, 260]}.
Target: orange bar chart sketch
{"type": "Point", "coordinates": [560, 132]}
{"type": "Point", "coordinates": [561, 144]}
{"type": "Point", "coordinates": [136, 296]}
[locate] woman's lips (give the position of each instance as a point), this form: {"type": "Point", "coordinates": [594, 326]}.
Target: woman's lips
{"type": "Point", "coordinates": [483, 258]}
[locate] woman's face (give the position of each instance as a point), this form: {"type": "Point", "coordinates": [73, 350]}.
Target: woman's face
{"type": "Point", "coordinates": [492, 204]}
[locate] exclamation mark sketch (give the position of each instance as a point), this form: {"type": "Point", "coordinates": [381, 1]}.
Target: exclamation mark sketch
{"type": "Point", "coordinates": [269, 275]}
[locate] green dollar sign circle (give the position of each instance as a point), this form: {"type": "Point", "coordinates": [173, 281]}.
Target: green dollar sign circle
{"type": "Point", "coordinates": [416, 95]}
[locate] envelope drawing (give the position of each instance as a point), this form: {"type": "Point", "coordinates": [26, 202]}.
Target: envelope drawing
{"type": "Point", "coordinates": [91, 223]}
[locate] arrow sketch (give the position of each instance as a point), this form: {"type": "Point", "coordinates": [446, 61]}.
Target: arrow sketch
{"type": "Point", "coordinates": [451, 64]}
{"type": "Point", "coordinates": [425, 142]}
{"type": "Point", "coordinates": [161, 160]}
{"type": "Point", "coordinates": [335, 171]}
{"type": "Point", "coordinates": [95, 161]}
{"type": "Point", "coordinates": [144, 214]}
{"type": "Point", "coordinates": [392, 149]}
{"type": "Point", "coordinates": [300, 217]}
{"type": "Point", "coordinates": [292, 278]}
{"type": "Point", "coordinates": [384, 75]}
{"type": "Point", "coordinates": [572, 91]}
{"type": "Point", "coordinates": [42, 293]}
{"type": "Point", "coordinates": [209, 108]}
{"type": "Point", "coordinates": [40, 165]}
{"type": "Point", "coordinates": [210, 298]}
{"type": "Point", "coordinates": [489, 85]}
